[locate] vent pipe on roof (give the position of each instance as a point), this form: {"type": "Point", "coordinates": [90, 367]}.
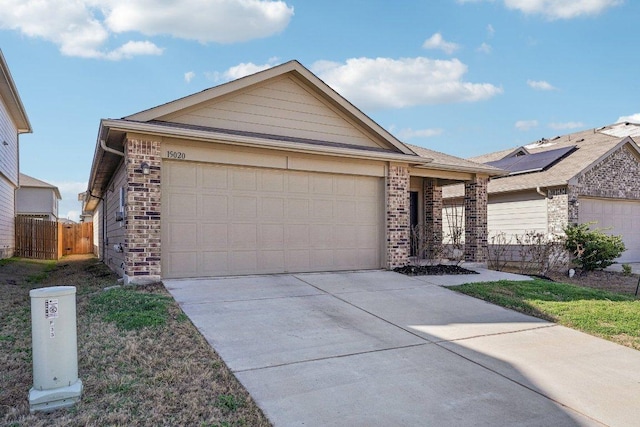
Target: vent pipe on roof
{"type": "Point", "coordinates": [103, 145]}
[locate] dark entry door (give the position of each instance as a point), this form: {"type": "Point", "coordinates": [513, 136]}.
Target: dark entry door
{"type": "Point", "coordinates": [413, 220]}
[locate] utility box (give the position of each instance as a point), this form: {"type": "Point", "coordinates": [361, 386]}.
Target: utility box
{"type": "Point", "coordinates": [55, 349]}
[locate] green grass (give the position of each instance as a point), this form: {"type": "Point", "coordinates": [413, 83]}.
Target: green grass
{"type": "Point", "coordinates": [612, 316]}
{"type": "Point", "coordinates": [131, 309]}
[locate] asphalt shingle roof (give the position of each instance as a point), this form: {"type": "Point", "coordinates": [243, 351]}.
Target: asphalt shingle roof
{"type": "Point", "coordinates": [591, 145]}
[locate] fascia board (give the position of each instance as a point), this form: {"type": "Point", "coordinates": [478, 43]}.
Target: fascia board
{"type": "Point", "coordinates": [492, 172]}
{"type": "Point", "coordinates": [255, 142]}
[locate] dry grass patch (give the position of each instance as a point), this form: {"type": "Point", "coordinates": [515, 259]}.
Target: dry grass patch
{"type": "Point", "coordinates": [149, 373]}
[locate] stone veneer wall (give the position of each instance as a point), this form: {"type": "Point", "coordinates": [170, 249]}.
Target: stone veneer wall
{"type": "Point", "coordinates": [432, 215]}
{"type": "Point", "coordinates": [397, 204]}
{"type": "Point", "coordinates": [557, 210]}
{"type": "Point", "coordinates": [616, 177]}
{"type": "Point", "coordinates": [475, 224]}
{"type": "Point", "coordinates": [142, 236]}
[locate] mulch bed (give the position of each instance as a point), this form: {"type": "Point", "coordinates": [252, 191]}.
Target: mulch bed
{"type": "Point", "coordinates": [432, 270]}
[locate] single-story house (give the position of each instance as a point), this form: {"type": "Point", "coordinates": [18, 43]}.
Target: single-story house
{"type": "Point", "coordinates": [271, 173]}
{"type": "Point", "coordinates": [588, 176]}
{"type": "Point", "coordinates": [13, 122]}
{"type": "Point", "coordinates": [37, 199]}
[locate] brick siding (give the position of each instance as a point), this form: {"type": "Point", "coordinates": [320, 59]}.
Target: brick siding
{"type": "Point", "coordinates": [397, 227]}
{"type": "Point", "coordinates": [475, 227]}
{"type": "Point", "coordinates": [432, 215]}
{"type": "Point", "coordinates": [142, 236]}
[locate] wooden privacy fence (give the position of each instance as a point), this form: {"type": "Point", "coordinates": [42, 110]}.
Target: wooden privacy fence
{"type": "Point", "coordinates": [77, 238]}
{"type": "Point", "coordinates": [41, 239]}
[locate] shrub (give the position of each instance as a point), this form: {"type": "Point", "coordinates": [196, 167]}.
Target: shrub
{"type": "Point", "coordinates": [592, 249]}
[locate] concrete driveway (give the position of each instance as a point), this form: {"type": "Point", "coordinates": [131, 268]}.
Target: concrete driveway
{"type": "Point", "coordinates": [379, 348]}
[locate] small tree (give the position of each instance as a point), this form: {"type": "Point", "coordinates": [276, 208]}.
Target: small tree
{"type": "Point", "coordinates": [592, 249]}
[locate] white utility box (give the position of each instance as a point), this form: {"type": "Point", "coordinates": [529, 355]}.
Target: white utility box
{"type": "Point", "coordinates": [55, 349]}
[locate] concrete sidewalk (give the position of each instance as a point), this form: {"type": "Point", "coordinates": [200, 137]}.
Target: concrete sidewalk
{"type": "Point", "coordinates": [379, 348]}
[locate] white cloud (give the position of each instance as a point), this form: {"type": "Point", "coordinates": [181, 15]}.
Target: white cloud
{"type": "Point", "coordinates": [525, 125]}
{"type": "Point", "coordinates": [69, 206]}
{"type": "Point", "coordinates": [437, 42]}
{"type": "Point", "coordinates": [396, 83]}
{"type": "Point", "coordinates": [557, 9]}
{"type": "Point", "coordinates": [561, 9]}
{"type": "Point", "coordinates": [634, 118]}
{"type": "Point", "coordinates": [221, 21]}
{"type": "Point", "coordinates": [240, 70]}
{"type": "Point", "coordinates": [83, 28]}
{"type": "Point", "coordinates": [484, 48]}
{"type": "Point", "coordinates": [566, 125]}
{"type": "Point", "coordinates": [490, 30]}
{"type": "Point", "coordinates": [408, 133]}
{"type": "Point", "coordinates": [188, 76]}
{"type": "Point", "coordinates": [540, 85]}
{"type": "Point", "coordinates": [73, 215]}
{"type": "Point", "coordinates": [131, 49]}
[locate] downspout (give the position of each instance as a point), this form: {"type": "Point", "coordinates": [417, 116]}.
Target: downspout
{"type": "Point", "coordinates": [542, 193]}
{"type": "Point", "coordinates": [103, 145]}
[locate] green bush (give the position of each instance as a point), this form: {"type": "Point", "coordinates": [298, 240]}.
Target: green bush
{"type": "Point", "coordinates": [592, 249]}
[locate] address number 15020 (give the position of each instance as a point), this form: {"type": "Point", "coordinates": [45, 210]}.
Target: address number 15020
{"type": "Point", "coordinates": [176, 155]}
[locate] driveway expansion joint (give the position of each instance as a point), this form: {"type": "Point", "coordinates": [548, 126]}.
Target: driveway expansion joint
{"type": "Point", "coordinates": [337, 356]}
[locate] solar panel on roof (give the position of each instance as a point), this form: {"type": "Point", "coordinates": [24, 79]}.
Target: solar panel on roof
{"type": "Point", "coordinates": [532, 162]}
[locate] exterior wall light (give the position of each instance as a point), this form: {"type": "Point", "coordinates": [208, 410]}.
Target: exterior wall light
{"type": "Point", "coordinates": [574, 202]}
{"type": "Point", "coordinates": [146, 170]}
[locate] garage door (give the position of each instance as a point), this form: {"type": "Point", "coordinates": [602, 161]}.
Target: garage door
{"type": "Point", "coordinates": [224, 220]}
{"type": "Point", "coordinates": [623, 217]}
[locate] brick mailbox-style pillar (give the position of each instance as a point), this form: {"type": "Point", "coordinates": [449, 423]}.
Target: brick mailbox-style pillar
{"type": "Point", "coordinates": [397, 227]}
{"type": "Point", "coordinates": [432, 215]}
{"type": "Point", "coordinates": [142, 235]}
{"type": "Point", "coordinates": [475, 209]}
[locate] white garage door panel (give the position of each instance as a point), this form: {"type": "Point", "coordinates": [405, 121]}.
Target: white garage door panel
{"type": "Point", "coordinates": [223, 220]}
{"type": "Point", "coordinates": [622, 217]}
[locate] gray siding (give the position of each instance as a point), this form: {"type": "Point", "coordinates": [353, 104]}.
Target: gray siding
{"type": "Point", "coordinates": [37, 201]}
{"type": "Point", "coordinates": [7, 215]}
{"type": "Point", "coordinates": [8, 181]}
{"type": "Point", "coordinates": [115, 234]}
{"type": "Point", "coordinates": [98, 231]}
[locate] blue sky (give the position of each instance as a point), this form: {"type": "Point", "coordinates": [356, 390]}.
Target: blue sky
{"type": "Point", "coordinates": [464, 77]}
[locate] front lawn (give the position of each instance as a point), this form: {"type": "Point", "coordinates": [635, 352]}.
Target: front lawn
{"type": "Point", "coordinates": [615, 317]}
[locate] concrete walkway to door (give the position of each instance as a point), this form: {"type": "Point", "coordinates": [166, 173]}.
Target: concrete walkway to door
{"type": "Point", "coordinates": [378, 348]}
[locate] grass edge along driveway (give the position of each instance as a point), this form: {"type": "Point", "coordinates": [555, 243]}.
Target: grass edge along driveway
{"type": "Point", "coordinates": [612, 316]}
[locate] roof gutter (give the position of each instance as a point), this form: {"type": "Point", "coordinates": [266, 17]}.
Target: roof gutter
{"type": "Point", "coordinates": [542, 193]}
{"type": "Point", "coordinates": [103, 145]}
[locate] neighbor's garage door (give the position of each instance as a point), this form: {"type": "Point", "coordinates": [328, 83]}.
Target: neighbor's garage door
{"type": "Point", "coordinates": [623, 217]}
{"type": "Point", "coordinates": [224, 220]}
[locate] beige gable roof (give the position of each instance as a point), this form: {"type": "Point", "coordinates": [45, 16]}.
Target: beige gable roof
{"type": "Point", "coordinates": [592, 146]}
{"type": "Point", "coordinates": [448, 162]}
{"type": "Point", "coordinates": [285, 100]}
{"type": "Point", "coordinates": [31, 182]}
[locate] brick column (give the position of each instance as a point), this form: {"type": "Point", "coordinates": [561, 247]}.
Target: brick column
{"type": "Point", "coordinates": [432, 216]}
{"type": "Point", "coordinates": [142, 234]}
{"type": "Point", "coordinates": [475, 224]}
{"type": "Point", "coordinates": [397, 203]}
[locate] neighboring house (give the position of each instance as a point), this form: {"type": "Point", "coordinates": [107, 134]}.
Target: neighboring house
{"type": "Point", "coordinates": [577, 178]}
{"type": "Point", "coordinates": [271, 173]}
{"type": "Point", "coordinates": [13, 122]}
{"type": "Point", "coordinates": [37, 199]}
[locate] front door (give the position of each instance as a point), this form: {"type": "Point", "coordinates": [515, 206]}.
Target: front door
{"type": "Point", "coordinates": [413, 221]}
